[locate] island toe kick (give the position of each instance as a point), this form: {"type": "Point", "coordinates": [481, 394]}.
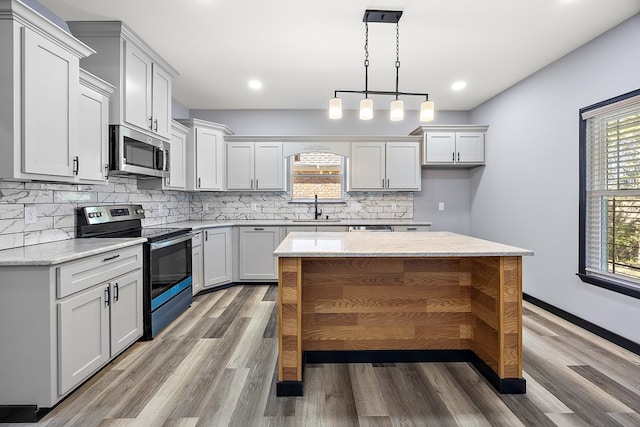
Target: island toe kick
{"type": "Point", "coordinates": [401, 309]}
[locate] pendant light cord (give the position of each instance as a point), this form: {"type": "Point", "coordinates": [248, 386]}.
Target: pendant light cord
{"type": "Point", "coordinates": [366, 59]}
{"type": "Point", "coordinates": [397, 55]}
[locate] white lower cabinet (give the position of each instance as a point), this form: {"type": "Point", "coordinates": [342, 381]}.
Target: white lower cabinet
{"type": "Point", "coordinates": [255, 257]}
{"type": "Point", "coordinates": [217, 256]}
{"type": "Point", "coordinates": [197, 272]}
{"type": "Point", "coordinates": [73, 318]}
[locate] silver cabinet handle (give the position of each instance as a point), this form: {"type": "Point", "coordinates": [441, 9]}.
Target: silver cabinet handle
{"type": "Point", "coordinates": [107, 296]}
{"type": "Point", "coordinates": [206, 235]}
{"type": "Point", "coordinates": [155, 121]}
{"type": "Point", "coordinates": [256, 183]}
{"type": "Point", "coordinates": [411, 228]}
{"type": "Point", "coordinates": [151, 123]}
{"type": "Point", "coordinates": [116, 293]}
{"type": "Point", "coordinates": [252, 183]}
{"type": "Point", "coordinates": [106, 170]}
{"type": "Point", "coordinates": [382, 182]}
{"type": "Point", "coordinates": [110, 258]}
{"type": "Point", "coordinates": [458, 156]}
{"type": "Point", "coordinates": [258, 229]}
{"type": "Point", "coordinates": [199, 182]}
{"type": "Point", "coordinates": [453, 156]}
{"type": "Point", "coordinates": [387, 182]}
{"type": "Point", "coordinates": [76, 165]}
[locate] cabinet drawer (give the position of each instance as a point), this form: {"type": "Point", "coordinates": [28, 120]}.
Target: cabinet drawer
{"type": "Point", "coordinates": [410, 228]}
{"type": "Point", "coordinates": [82, 274]}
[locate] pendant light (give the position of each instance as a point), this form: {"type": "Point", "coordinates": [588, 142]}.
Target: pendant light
{"type": "Point", "coordinates": [396, 108]}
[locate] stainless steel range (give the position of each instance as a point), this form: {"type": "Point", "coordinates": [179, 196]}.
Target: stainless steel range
{"type": "Point", "coordinates": [167, 259]}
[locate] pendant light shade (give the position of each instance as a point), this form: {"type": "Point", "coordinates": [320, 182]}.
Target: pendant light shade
{"type": "Point", "coordinates": [397, 110]}
{"type": "Point", "coordinates": [366, 109]}
{"type": "Point", "coordinates": [426, 111]}
{"type": "Point", "coordinates": [335, 108]}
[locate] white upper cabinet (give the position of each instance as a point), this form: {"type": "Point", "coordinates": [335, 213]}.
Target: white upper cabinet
{"type": "Point", "coordinates": [457, 146]}
{"type": "Point", "coordinates": [385, 166]}
{"type": "Point", "coordinates": [177, 179]}
{"type": "Point", "coordinates": [205, 164]}
{"type": "Point", "coordinates": [142, 78]}
{"type": "Point", "coordinates": [39, 97]}
{"type": "Point", "coordinates": [93, 147]}
{"type": "Point", "coordinates": [255, 166]}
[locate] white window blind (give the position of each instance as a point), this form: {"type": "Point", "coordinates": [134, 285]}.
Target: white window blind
{"type": "Point", "coordinates": [612, 211]}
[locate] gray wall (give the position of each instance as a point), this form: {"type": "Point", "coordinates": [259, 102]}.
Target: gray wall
{"type": "Point", "coordinates": [317, 122]}
{"type": "Point", "coordinates": [527, 195]}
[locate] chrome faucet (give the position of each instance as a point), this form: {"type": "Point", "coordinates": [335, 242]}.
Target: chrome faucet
{"type": "Point", "coordinates": [315, 205]}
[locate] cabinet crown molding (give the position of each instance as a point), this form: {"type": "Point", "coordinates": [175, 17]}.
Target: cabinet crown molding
{"type": "Point", "coordinates": [449, 128]}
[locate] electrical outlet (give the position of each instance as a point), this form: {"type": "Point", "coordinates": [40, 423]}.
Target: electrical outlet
{"type": "Point", "coordinates": [30, 214]}
{"type": "Point", "coordinates": [441, 206]}
{"type": "Point", "coordinates": [205, 207]}
{"type": "Point", "coordinates": [254, 207]}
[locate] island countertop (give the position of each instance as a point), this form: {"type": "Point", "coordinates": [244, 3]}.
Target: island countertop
{"type": "Point", "coordinates": [372, 244]}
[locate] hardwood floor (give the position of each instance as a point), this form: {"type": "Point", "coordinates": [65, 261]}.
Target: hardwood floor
{"type": "Point", "coordinates": [216, 366]}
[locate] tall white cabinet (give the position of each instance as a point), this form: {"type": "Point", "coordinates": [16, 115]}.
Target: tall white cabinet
{"type": "Point", "coordinates": [39, 96]}
{"type": "Point", "coordinates": [143, 79]}
{"type": "Point", "coordinates": [385, 166]}
{"type": "Point", "coordinates": [205, 165]}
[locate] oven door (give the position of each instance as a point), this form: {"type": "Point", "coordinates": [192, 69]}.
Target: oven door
{"type": "Point", "coordinates": [169, 269]}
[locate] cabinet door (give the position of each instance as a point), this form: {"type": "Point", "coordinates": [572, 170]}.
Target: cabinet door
{"type": "Point", "coordinates": [197, 273]}
{"type": "Point", "coordinates": [50, 106]}
{"type": "Point", "coordinates": [177, 161]}
{"type": "Point", "coordinates": [240, 166]}
{"type": "Point", "coordinates": [367, 165]}
{"type": "Point", "coordinates": [161, 101]}
{"type": "Point", "coordinates": [83, 336]}
{"type": "Point", "coordinates": [440, 147]}
{"type": "Point", "coordinates": [403, 166]}
{"type": "Point", "coordinates": [209, 150]}
{"type": "Point", "coordinates": [470, 147]}
{"type": "Point", "coordinates": [256, 253]}
{"type": "Point", "coordinates": [137, 87]}
{"type": "Point", "coordinates": [93, 154]}
{"type": "Point", "coordinates": [217, 256]}
{"type": "Point", "coordinates": [126, 311]}
{"type": "Point", "coordinates": [269, 171]}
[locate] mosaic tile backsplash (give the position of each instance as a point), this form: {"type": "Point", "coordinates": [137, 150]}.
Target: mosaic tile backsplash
{"type": "Point", "coordinates": [55, 207]}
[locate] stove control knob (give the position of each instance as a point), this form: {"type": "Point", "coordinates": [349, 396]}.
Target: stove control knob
{"type": "Point", "coordinates": [91, 214]}
{"type": "Point", "coordinates": [140, 211]}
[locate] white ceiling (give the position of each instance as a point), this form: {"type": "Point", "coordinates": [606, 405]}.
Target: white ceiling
{"type": "Point", "coordinates": [303, 50]}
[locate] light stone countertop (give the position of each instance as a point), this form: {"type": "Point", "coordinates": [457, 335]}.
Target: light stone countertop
{"type": "Point", "coordinates": [198, 225]}
{"type": "Point", "coordinates": [63, 251]}
{"type": "Point", "coordinates": [377, 244]}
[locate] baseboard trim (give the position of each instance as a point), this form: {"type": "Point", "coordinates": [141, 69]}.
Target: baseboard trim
{"type": "Point", "coordinates": [616, 339]}
{"type": "Point", "coordinates": [22, 413]}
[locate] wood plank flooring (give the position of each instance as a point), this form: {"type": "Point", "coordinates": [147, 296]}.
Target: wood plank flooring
{"type": "Point", "coordinates": [216, 366]}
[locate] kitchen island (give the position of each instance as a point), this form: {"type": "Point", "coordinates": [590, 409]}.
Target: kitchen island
{"type": "Point", "coordinates": [394, 297]}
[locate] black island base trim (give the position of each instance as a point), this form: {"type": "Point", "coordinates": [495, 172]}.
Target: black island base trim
{"type": "Point", "coordinates": [502, 385]}
{"type": "Point", "coordinates": [22, 413]}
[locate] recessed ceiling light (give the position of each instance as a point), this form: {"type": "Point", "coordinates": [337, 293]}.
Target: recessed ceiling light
{"type": "Point", "coordinates": [255, 84]}
{"type": "Point", "coordinates": [459, 85]}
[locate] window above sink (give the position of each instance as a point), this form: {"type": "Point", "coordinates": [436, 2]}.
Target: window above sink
{"type": "Point", "coordinates": [317, 173]}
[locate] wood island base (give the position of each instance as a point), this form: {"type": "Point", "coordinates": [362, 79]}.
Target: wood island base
{"type": "Point", "coordinates": [401, 309]}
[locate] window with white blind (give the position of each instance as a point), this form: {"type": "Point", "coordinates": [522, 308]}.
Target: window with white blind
{"type": "Point", "coordinates": [610, 194]}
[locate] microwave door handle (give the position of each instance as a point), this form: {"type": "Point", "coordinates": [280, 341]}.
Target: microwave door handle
{"type": "Point", "coordinates": [165, 160]}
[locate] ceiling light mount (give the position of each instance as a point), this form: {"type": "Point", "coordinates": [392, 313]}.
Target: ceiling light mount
{"type": "Point", "coordinates": [366, 104]}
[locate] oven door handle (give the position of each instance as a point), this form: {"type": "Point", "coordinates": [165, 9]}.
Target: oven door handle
{"type": "Point", "coordinates": [169, 242]}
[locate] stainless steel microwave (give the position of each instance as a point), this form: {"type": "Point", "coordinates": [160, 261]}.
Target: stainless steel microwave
{"type": "Point", "coordinates": [133, 152]}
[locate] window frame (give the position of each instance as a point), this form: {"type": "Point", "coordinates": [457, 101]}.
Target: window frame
{"type": "Point", "coordinates": [618, 285]}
